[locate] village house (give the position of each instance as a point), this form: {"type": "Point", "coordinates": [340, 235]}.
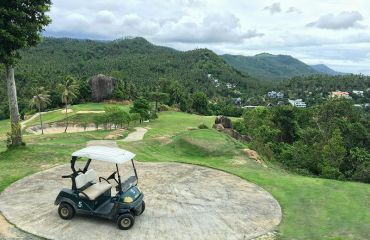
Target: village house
{"type": "Point", "coordinates": [358, 93]}
{"type": "Point", "coordinates": [274, 94]}
{"type": "Point", "coordinates": [339, 94]}
{"type": "Point", "coordinates": [297, 103]}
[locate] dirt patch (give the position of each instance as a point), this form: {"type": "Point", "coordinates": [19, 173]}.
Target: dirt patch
{"type": "Point", "coordinates": [164, 140]}
{"type": "Point", "coordinates": [5, 229]}
{"type": "Point", "coordinates": [116, 134]}
{"type": "Point", "coordinates": [253, 155]}
{"type": "Point", "coordinates": [105, 143]}
{"type": "Point", "coordinates": [58, 128]}
{"type": "Point", "coordinates": [68, 110]}
{"type": "Point", "coordinates": [47, 166]}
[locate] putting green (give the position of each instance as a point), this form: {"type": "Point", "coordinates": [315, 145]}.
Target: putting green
{"type": "Point", "coordinates": [182, 202]}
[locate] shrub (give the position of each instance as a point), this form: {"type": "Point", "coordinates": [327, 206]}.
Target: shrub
{"type": "Point", "coordinates": [153, 115]}
{"type": "Point", "coordinates": [200, 103]}
{"type": "Point", "coordinates": [203, 126]}
{"type": "Point", "coordinates": [164, 107]}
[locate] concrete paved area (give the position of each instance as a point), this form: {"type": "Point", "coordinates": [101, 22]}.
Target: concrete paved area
{"type": "Point", "coordinates": [136, 136]}
{"type": "Point", "coordinates": [183, 202]}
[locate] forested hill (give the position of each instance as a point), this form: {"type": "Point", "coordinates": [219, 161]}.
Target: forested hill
{"type": "Point", "coordinates": [270, 67]}
{"type": "Point", "coordinates": [322, 68]}
{"type": "Point", "coordinates": [135, 60]}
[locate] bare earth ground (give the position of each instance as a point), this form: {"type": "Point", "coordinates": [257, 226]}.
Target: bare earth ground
{"type": "Point", "coordinates": [183, 202]}
{"type": "Point", "coordinates": [52, 130]}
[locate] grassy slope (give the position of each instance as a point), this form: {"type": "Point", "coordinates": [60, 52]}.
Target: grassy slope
{"type": "Point", "coordinates": [313, 208]}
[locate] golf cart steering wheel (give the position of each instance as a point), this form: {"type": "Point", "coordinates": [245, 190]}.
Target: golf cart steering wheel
{"type": "Point", "coordinates": [112, 176]}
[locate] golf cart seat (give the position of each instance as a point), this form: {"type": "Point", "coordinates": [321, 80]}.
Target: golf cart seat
{"type": "Point", "coordinates": [95, 189]}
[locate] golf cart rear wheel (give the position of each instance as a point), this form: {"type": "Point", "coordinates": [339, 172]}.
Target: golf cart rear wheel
{"type": "Point", "coordinates": [125, 221]}
{"type": "Point", "coordinates": [66, 211]}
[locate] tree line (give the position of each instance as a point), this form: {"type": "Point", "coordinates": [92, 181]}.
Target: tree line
{"type": "Point", "coordinates": [330, 140]}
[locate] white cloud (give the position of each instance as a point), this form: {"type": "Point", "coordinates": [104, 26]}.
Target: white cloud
{"type": "Point", "coordinates": [228, 26]}
{"type": "Point", "coordinates": [294, 10]}
{"type": "Point", "coordinates": [343, 20]}
{"type": "Point", "coordinates": [274, 8]}
{"type": "Point", "coordinates": [105, 16]}
{"type": "Point", "coordinates": [215, 28]}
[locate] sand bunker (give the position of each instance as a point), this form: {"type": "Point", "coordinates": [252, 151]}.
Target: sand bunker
{"type": "Point", "coordinates": [59, 128]}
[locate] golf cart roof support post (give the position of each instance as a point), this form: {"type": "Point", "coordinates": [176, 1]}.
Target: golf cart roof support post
{"type": "Point", "coordinates": [133, 165]}
{"type": "Point", "coordinates": [73, 161]}
{"type": "Point", "coordinates": [119, 180]}
{"type": "Point", "coordinates": [74, 174]}
{"type": "Point", "coordinates": [87, 166]}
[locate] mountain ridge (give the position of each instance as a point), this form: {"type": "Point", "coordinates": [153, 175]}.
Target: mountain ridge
{"type": "Point", "coordinates": [322, 68]}
{"type": "Point", "coordinates": [270, 67]}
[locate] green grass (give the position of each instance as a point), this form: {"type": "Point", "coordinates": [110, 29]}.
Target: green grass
{"type": "Point", "coordinates": [313, 208]}
{"type": "Point", "coordinates": [80, 118]}
{"type": "Point", "coordinates": [59, 115]}
{"type": "Point", "coordinates": [203, 142]}
{"type": "Point", "coordinates": [171, 123]}
{"type": "Point", "coordinates": [4, 128]}
{"type": "Point", "coordinates": [97, 106]}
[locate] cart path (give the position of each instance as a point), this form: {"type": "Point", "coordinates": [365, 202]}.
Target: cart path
{"type": "Point", "coordinates": [36, 115]}
{"type": "Point", "coordinates": [183, 202]}
{"type": "Point", "coordinates": [138, 135]}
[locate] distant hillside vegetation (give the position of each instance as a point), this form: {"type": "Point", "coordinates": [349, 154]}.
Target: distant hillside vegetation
{"type": "Point", "coordinates": [269, 67]}
{"type": "Point", "coordinates": [137, 62]}
{"type": "Point", "coordinates": [322, 68]}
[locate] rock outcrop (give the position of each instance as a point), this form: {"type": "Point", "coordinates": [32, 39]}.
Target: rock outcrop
{"type": "Point", "coordinates": [225, 121]}
{"type": "Point", "coordinates": [101, 87]}
{"type": "Point", "coordinates": [224, 124]}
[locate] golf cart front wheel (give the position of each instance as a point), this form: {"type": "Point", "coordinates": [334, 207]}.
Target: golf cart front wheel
{"type": "Point", "coordinates": [125, 221]}
{"type": "Point", "coordinates": [66, 211]}
{"type": "Point", "coordinates": [142, 208]}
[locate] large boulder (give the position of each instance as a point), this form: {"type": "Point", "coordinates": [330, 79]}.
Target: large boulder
{"type": "Point", "coordinates": [218, 127]}
{"type": "Point", "coordinates": [225, 121]}
{"type": "Point", "coordinates": [101, 87]}
{"type": "Point", "coordinates": [223, 124]}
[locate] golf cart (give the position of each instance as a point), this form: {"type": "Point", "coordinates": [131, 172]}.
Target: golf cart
{"type": "Point", "coordinates": [92, 196]}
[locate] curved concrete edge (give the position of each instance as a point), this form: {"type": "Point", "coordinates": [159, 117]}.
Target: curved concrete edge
{"type": "Point", "coordinates": [270, 234]}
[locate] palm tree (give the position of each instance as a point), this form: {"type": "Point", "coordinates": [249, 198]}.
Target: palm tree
{"type": "Point", "coordinates": [69, 91]}
{"type": "Point", "coordinates": [40, 100]}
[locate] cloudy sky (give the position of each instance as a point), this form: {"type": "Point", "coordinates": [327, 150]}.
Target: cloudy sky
{"type": "Point", "coordinates": [333, 32]}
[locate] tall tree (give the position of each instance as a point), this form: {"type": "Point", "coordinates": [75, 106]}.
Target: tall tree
{"type": "Point", "coordinates": [69, 91]}
{"type": "Point", "coordinates": [200, 103]}
{"type": "Point", "coordinates": [40, 100]}
{"type": "Point", "coordinates": [142, 107]}
{"type": "Point", "coordinates": [158, 97]}
{"type": "Point", "coordinates": [20, 25]}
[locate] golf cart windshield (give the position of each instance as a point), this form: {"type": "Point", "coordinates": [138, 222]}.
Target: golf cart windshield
{"type": "Point", "coordinates": [110, 155]}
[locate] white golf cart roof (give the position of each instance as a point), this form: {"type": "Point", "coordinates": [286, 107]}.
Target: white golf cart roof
{"type": "Point", "coordinates": [106, 154]}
